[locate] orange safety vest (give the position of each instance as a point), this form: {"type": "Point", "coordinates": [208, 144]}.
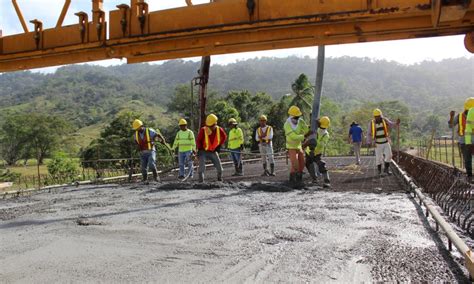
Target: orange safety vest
{"type": "Point", "coordinates": [217, 139]}
{"type": "Point", "coordinates": [267, 132]}
{"type": "Point", "coordinates": [145, 144]}
{"type": "Point", "coordinates": [385, 128]}
{"type": "Point", "coordinates": [462, 124]}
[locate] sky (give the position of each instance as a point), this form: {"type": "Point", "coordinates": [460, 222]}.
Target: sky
{"type": "Point", "coordinates": [401, 51]}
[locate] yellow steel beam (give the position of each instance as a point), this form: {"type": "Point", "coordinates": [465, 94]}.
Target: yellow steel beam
{"type": "Point", "coordinates": [63, 13]}
{"type": "Point", "coordinates": [20, 16]}
{"type": "Point", "coordinates": [231, 26]}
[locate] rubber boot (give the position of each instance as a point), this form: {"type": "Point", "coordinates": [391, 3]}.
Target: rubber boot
{"type": "Point", "coordinates": [272, 170]}
{"type": "Point", "coordinates": [292, 179]}
{"type": "Point", "coordinates": [219, 177]}
{"type": "Point", "coordinates": [240, 171]}
{"type": "Point", "coordinates": [299, 180]}
{"type": "Point", "coordinates": [379, 169]}
{"type": "Point", "coordinates": [236, 170]}
{"type": "Point", "coordinates": [327, 181]}
{"type": "Point", "coordinates": [155, 176]}
{"type": "Point", "coordinates": [265, 171]}
{"type": "Point", "coordinates": [387, 169]}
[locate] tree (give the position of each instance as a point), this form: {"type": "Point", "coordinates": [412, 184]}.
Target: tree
{"type": "Point", "coordinates": [13, 138]}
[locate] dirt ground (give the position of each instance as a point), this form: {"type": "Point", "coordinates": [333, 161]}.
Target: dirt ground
{"type": "Point", "coordinates": [364, 229]}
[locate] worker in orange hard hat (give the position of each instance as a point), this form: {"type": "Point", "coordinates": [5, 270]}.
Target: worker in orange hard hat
{"type": "Point", "coordinates": [379, 135]}
{"type": "Point", "coordinates": [186, 145]}
{"type": "Point", "coordinates": [460, 120]}
{"type": "Point", "coordinates": [264, 137]}
{"type": "Point", "coordinates": [209, 141]}
{"type": "Point", "coordinates": [145, 138]}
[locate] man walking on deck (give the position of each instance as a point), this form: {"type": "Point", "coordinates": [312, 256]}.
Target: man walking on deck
{"type": "Point", "coordinates": [235, 146]}
{"type": "Point", "coordinates": [461, 121]}
{"type": "Point", "coordinates": [355, 138]}
{"type": "Point", "coordinates": [186, 145]}
{"type": "Point", "coordinates": [379, 136]}
{"type": "Point", "coordinates": [264, 137]}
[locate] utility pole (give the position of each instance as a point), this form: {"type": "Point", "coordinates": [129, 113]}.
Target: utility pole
{"type": "Point", "coordinates": [204, 79]}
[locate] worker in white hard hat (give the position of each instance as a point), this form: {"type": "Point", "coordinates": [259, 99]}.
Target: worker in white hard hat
{"type": "Point", "coordinates": [186, 145]}
{"type": "Point", "coordinates": [209, 141]}
{"type": "Point", "coordinates": [322, 138]}
{"type": "Point", "coordinates": [379, 135]}
{"type": "Point", "coordinates": [145, 138]}
{"type": "Point", "coordinates": [236, 145]}
{"type": "Point", "coordinates": [264, 137]}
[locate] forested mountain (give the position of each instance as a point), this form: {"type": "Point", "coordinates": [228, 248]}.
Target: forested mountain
{"type": "Point", "coordinates": [87, 95]}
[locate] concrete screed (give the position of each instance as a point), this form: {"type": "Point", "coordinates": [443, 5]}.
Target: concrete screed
{"type": "Point", "coordinates": [365, 229]}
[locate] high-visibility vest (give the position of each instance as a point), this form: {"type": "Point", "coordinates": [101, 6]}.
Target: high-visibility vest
{"type": "Point", "coordinates": [267, 133]}
{"type": "Point", "coordinates": [184, 141]}
{"type": "Point", "coordinates": [146, 143]}
{"type": "Point", "coordinates": [321, 145]}
{"type": "Point", "coordinates": [462, 124]}
{"type": "Point", "coordinates": [236, 138]}
{"type": "Point", "coordinates": [295, 137]}
{"type": "Point", "coordinates": [208, 145]}
{"type": "Point", "coordinates": [469, 132]}
{"type": "Point", "coordinates": [374, 130]}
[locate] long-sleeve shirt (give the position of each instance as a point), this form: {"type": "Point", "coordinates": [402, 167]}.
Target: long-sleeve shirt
{"type": "Point", "coordinates": [236, 138]}
{"type": "Point", "coordinates": [212, 136]}
{"type": "Point", "coordinates": [184, 141]}
{"type": "Point", "coordinates": [389, 123]}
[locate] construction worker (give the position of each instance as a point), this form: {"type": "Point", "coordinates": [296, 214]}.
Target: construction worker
{"type": "Point", "coordinates": [145, 138]}
{"type": "Point", "coordinates": [236, 145]}
{"type": "Point", "coordinates": [355, 138]}
{"type": "Point", "coordinates": [460, 120]}
{"type": "Point", "coordinates": [209, 141]}
{"type": "Point", "coordinates": [264, 137]}
{"type": "Point", "coordinates": [379, 135]}
{"type": "Point", "coordinates": [295, 131]}
{"type": "Point", "coordinates": [322, 137]}
{"type": "Point", "coordinates": [186, 145]}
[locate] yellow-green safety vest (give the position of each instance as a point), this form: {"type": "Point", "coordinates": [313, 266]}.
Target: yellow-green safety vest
{"type": "Point", "coordinates": [184, 141]}
{"type": "Point", "coordinates": [469, 132]}
{"type": "Point", "coordinates": [295, 137]}
{"type": "Point", "coordinates": [321, 145]}
{"type": "Point", "coordinates": [236, 138]}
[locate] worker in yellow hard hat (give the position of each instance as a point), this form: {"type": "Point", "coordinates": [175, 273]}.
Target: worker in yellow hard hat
{"type": "Point", "coordinates": [461, 120]}
{"type": "Point", "coordinates": [322, 138]}
{"type": "Point", "coordinates": [186, 145]}
{"type": "Point", "coordinates": [236, 145]}
{"type": "Point", "coordinates": [379, 135]}
{"type": "Point", "coordinates": [145, 138]}
{"type": "Point", "coordinates": [264, 137]}
{"type": "Point", "coordinates": [295, 131]}
{"type": "Point", "coordinates": [209, 141]}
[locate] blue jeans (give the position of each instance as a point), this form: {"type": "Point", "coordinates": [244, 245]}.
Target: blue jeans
{"type": "Point", "coordinates": [147, 161]}
{"type": "Point", "coordinates": [185, 158]}
{"type": "Point", "coordinates": [236, 156]}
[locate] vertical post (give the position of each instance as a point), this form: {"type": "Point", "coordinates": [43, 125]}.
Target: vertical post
{"type": "Point", "coordinates": [191, 117]}
{"type": "Point", "coordinates": [439, 150]}
{"type": "Point", "coordinates": [452, 147]}
{"type": "Point", "coordinates": [398, 143]}
{"type": "Point", "coordinates": [204, 79]}
{"type": "Point", "coordinates": [446, 149]}
{"type": "Point", "coordinates": [38, 168]}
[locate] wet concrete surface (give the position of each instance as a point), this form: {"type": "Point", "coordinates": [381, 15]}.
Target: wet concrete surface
{"type": "Point", "coordinates": [251, 229]}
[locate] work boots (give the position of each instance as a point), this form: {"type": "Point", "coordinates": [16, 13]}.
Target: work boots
{"type": "Point", "coordinates": [265, 170]}
{"type": "Point", "coordinates": [272, 170]}
{"type": "Point", "coordinates": [155, 176]}
{"type": "Point", "coordinates": [327, 181]}
{"type": "Point", "coordinates": [299, 180]}
{"type": "Point", "coordinates": [236, 171]}
{"type": "Point", "coordinates": [387, 169]}
{"type": "Point", "coordinates": [240, 171]}
{"type": "Point", "coordinates": [292, 179]}
{"type": "Point", "coordinates": [379, 170]}
{"type": "Point", "coordinates": [219, 177]}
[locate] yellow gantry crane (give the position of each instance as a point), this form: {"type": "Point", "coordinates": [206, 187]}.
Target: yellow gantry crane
{"type": "Point", "coordinates": [228, 26]}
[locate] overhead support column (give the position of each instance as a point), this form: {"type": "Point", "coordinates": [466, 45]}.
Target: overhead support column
{"type": "Point", "coordinates": [20, 16]}
{"type": "Point", "coordinates": [63, 13]}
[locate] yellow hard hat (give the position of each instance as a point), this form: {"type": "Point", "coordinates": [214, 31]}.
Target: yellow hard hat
{"type": "Point", "coordinates": [137, 123]}
{"type": "Point", "coordinates": [295, 111]}
{"type": "Point", "coordinates": [182, 121]}
{"type": "Point", "coordinates": [211, 119]}
{"type": "Point", "coordinates": [263, 117]}
{"type": "Point", "coordinates": [377, 112]}
{"type": "Point", "coordinates": [469, 103]}
{"type": "Point", "coordinates": [232, 121]}
{"type": "Point", "coordinates": [324, 122]}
